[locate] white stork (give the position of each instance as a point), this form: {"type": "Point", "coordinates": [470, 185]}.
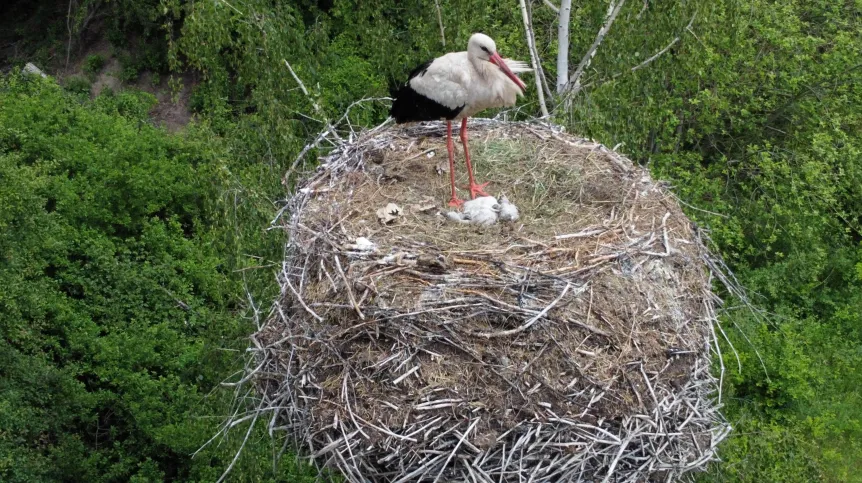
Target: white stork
{"type": "Point", "coordinates": [457, 86]}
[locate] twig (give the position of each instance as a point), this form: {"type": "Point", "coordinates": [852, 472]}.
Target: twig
{"type": "Point", "coordinates": [406, 375]}
{"type": "Point", "coordinates": [552, 6]}
{"type": "Point", "coordinates": [69, 28]}
{"type": "Point", "coordinates": [665, 49]}
{"type": "Point", "coordinates": [580, 234]}
{"type": "Point", "coordinates": [241, 446]}
{"type": "Point", "coordinates": [680, 200]}
{"type": "Point", "coordinates": [617, 458]}
{"type": "Point", "coordinates": [348, 288]}
{"type": "Point", "coordinates": [304, 90]}
{"type": "Point", "coordinates": [720, 360]}
{"type": "Point", "coordinates": [643, 9]}
{"type": "Point", "coordinates": [299, 299]}
{"type": "Point", "coordinates": [667, 248]}
{"type": "Point", "coordinates": [429, 150]}
{"type": "Point", "coordinates": [460, 441]}
{"type": "Point", "coordinates": [440, 21]}
{"type": "Point", "coordinates": [505, 333]}
{"type": "Point", "coordinates": [534, 58]}
{"type": "Point", "coordinates": [231, 6]}
{"type": "Point", "coordinates": [656, 55]}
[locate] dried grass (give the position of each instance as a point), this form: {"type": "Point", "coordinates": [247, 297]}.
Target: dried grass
{"type": "Point", "coordinates": [571, 345]}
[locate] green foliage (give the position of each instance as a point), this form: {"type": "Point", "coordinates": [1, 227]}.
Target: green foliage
{"type": "Point", "coordinates": [128, 74]}
{"type": "Point", "coordinates": [78, 85]}
{"type": "Point", "coordinates": [115, 298]}
{"type": "Point", "coordinates": [93, 64]}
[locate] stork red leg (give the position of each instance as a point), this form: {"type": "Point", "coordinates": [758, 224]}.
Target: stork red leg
{"type": "Point", "coordinates": [475, 189]}
{"type": "Point", "coordinates": [450, 146]}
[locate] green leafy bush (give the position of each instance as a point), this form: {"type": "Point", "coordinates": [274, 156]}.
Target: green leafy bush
{"type": "Point", "coordinates": [78, 85]}
{"type": "Point", "coordinates": [115, 299]}
{"type": "Point", "coordinates": [93, 64]}
{"type": "Point", "coordinates": [128, 74]}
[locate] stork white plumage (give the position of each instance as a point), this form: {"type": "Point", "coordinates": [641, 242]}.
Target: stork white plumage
{"type": "Point", "coordinates": [456, 86]}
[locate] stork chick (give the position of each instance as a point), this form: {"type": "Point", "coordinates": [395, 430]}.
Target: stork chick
{"type": "Point", "coordinates": [508, 211]}
{"type": "Point", "coordinates": [456, 86]}
{"type": "Point", "coordinates": [485, 210]}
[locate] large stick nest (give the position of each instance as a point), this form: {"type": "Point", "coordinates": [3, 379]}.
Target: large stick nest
{"type": "Point", "coordinates": [573, 344]}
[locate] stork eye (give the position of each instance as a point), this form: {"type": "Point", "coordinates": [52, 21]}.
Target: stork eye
{"type": "Point", "coordinates": [486, 49]}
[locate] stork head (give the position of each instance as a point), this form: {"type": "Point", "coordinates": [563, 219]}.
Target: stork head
{"type": "Point", "coordinates": [483, 48]}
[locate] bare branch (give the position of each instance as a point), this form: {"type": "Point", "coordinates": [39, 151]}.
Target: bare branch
{"type": "Point", "coordinates": [506, 333]}
{"type": "Point", "coordinates": [241, 446]}
{"type": "Point", "coordinates": [656, 56]}
{"type": "Point", "coordinates": [440, 21]}
{"type": "Point", "coordinates": [613, 11]}
{"type": "Point", "coordinates": [232, 7]}
{"type": "Point", "coordinates": [542, 76]}
{"type": "Point", "coordinates": [69, 28]}
{"type": "Point", "coordinates": [554, 7]}
{"type": "Point", "coordinates": [464, 437]}
{"type": "Point", "coordinates": [647, 61]}
{"type": "Point", "coordinates": [304, 90]}
{"type": "Point", "coordinates": [534, 57]}
{"type": "Point", "coordinates": [665, 49]}
{"type": "Point", "coordinates": [643, 9]}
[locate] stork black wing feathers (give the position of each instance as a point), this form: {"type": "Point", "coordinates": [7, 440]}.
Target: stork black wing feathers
{"type": "Point", "coordinates": [410, 106]}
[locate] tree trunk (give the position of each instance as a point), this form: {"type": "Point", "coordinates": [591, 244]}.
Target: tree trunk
{"type": "Point", "coordinates": [563, 45]}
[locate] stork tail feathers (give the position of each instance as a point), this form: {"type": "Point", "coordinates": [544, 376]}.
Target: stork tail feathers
{"type": "Point", "coordinates": [410, 106]}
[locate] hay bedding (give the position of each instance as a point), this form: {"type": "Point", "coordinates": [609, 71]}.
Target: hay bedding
{"type": "Point", "coordinates": [571, 345]}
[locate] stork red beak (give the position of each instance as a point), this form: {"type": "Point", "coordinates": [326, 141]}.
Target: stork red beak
{"type": "Point", "coordinates": [498, 61]}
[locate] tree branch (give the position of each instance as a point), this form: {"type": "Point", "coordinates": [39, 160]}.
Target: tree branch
{"type": "Point", "coordinates": [651, 58]}
{"type": "Point", "coordinates": [302, 86]}
{"type": "Point", "coordinates": [643, 9]}
{"type": "Point", "coordinates": [548, 92]}
{"type": "Point", "coordinates": [554, 7]}
{"type": "Point", "coordinates": [613, 11]}
{"type": "Point", "coordinates": [440, 21]}
{"type": "Point", "coordinates": [656, 56]}
{"type": "Point", "coordinates": [69, 28]}
{"type": "Point", "coordinates": [534, 57]}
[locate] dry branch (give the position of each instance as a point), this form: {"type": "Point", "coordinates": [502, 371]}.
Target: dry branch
{"type": "Point", "coordinates": [665, 49]}
{"type": "Point", "coordinates": [69, 29]}
{"type": "Point", "coordinates": [534, 58]}
{"type": "Point", "coordinates": [440, 21]}
{"type": "Point", "coordinates": [552, 6]}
